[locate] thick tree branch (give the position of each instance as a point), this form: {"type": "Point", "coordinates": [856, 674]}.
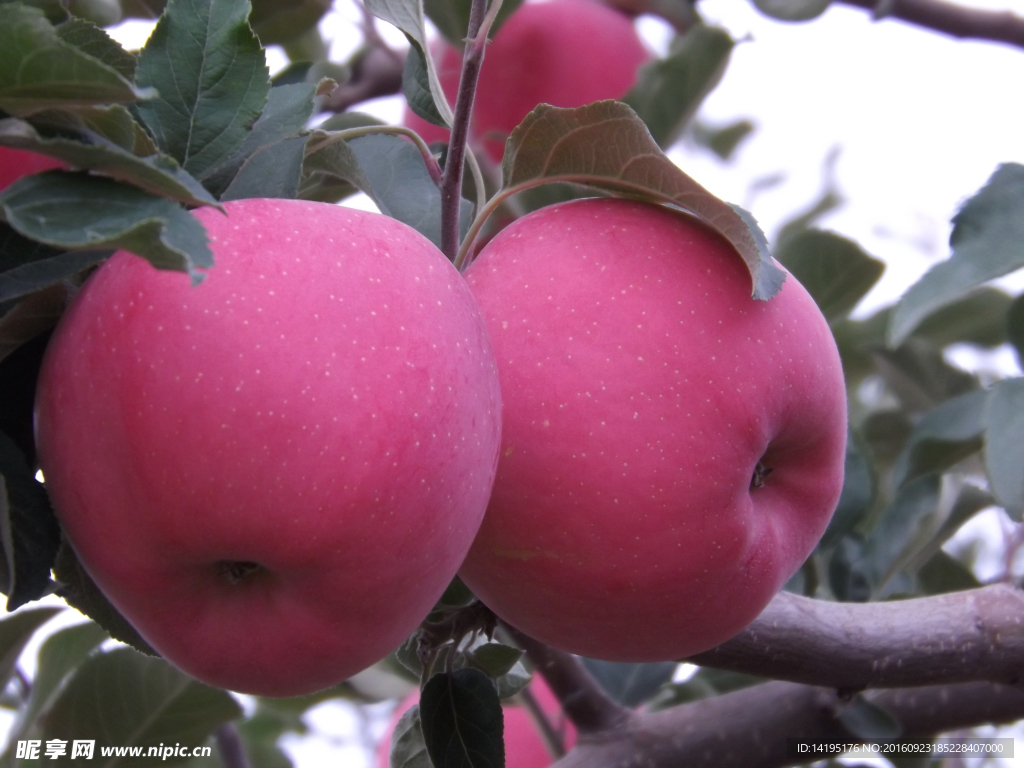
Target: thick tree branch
{"type": "Point", "coordinates": [583, 701]}
{"type": "Point", "coordinates": [749, 728]}
{"type": "Point", "coordinates": [940, 16]}
{"type": "Point", "coordinates": [952, 638]}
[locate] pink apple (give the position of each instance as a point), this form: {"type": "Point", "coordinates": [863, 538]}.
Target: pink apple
{"type": "Point", "coordinates": [672, 450]}
{"type": "Point", "coordinates": [524, 747]}
{"type": "Point", "coordinates": [564, 52]}
{"type": "Point", "coordinates": [273, 475]}
{"type": "Point", "coordinates": [15, 163]}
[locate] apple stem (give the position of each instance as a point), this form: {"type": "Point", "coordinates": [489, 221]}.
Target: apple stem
{"type": "Point", "coordinates": [480, 20]}
{"type": "Point", "coordinates": [583, 700]}
{"type": "Point", "coordinates": [230, 747]}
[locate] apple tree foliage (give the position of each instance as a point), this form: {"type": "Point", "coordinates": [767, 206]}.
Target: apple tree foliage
{"type": "Point", "coordinates": [194, 119]}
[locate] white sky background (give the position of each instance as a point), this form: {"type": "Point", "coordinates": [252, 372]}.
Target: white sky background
{"type": "Point", "coordinates": [921, 121]}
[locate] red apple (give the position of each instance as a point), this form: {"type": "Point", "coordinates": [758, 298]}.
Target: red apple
{"type": "Point", "coordinates": [15, 163]}
{"type": "Point", "coordinates": [524, 747]}
{"type": "Point", "coordinates": [273, 475]}
{"type": "Point", "coordinates": [564, 52]}
{"type": "Point", "coordinates": [672, 449]}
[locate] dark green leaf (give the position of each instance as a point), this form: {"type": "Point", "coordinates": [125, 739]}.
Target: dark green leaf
{"type": "Point", "coordinates": [899, 527]}
{"type": "Point", "coordinates": [462, 720]}
{"type": "Point", "coordinates": [944, 573]}
{"type": "Point", "coordinates": [15, 633]}
{"type": "Point", "coordinates": [451, 17]}
{"type": "Point", "coordinates": [407, 15]}
{"type": "Point", "coordinates": [858, 492]}
{"type": "Point", "coordinates": [213, 81]}
{"type": "Point", "coordinates": [114, 123]}
{"type": "Point", "coordinates": [850, 576]}
{"type": "Point", "coordinates": [792, 10]}
{"type": "Point", "coordinates": [919, 375]}
{"type": "Point", "coordinates": [987, 242]}
{"type": "Point", "coordinates": [669, 91]}
{"type": "Point", "coordinates": [26, 318]}
{"type": "Point", "coordinates": [54, 10]}
{"type": "Point", "coordinates": [29, 532]}
{"type": "Point", "coordinates": [947, 434]}
{"type": "Point", "coordinates": [1015, 327]}
{"type": "Point", "coordinates": [606, 145]}
{"type": "Point", "coordinates": [287, 110]}
{"type": "Point", "coordinates": [345, 120]}
{"type": "Point", "coordinates": [272, 171]}
{"type": "Point", "coordinates": [705, 683]}
{"type": "Point", "coordinates": [40, 71]}
{"type": "Point", "coordinates": [91, 40]}
{"type": "Point", "coordinates": [122, 698]}
{"type": "Point", "coordinates": [80, 592]}
{"type": "Point", "coordinates": [969, 501]}
{"type": "Point", "coordinates": [416, 87]}
{"type": "Point", "coordinates": [39, 273]}
{"type": "Point", "coordinates": [280, 21]}
{"type": "Point", "coordinates": [408, 748]}
{"type": "Point", "coordinates": [59, 655]}
{"type": "Point", "coordinates": [631, 684]}
{"type": "Point", "coordinates": [1004, 445]}
{"type": "Point", "coordinates": [76, 211]}
{"type": "Point", "coordinates": [159, 174]}
{"type": "Point", "coordinates": [835, 271]}
{"type": "Point", "coordinates": [887, 432]}
{"type": "Point", "coordinates": [722, 140]}
{"type": "Point", "coordinates": [868, 720]}
{"type": "Point", "coordinates": [456, 594]}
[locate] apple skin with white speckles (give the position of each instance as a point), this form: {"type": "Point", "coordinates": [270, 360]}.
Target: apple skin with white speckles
{"type": "Point", "coordinates": [324, 406]}
{"type": "Point", "coordinates": [642, 385]}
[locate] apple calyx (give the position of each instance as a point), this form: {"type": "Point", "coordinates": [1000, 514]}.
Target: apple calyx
{"type": "Point", "coordinates": [235, 571]}
{"type": "Point", "coordinates": [761, 473]}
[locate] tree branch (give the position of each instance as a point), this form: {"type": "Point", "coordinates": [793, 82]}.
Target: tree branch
{"type": "Point", "coordinates": [965, 23]}
{"type": "Point", "coordinates": [582, 699]}
{"type": "Point", "coordinates": [749, 728]}
{"type": "Point", "coordinates": [952, 638]}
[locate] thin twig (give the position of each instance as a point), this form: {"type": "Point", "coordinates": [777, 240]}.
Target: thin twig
{"type": "Point", "coordinates": [955, 20]}
{"type": "Point", "coordinates": [588, 707]}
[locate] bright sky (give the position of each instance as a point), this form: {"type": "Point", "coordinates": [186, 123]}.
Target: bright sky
{"type": "Point", "coordinates": [921, 121]}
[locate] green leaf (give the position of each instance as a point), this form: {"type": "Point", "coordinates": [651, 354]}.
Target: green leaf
{"type": "Point", "coordinates": [850, 576]}
{"type": "Point", "coordinates": [495, 659]}
{"type": "Point", "coordinates": [27, 266]}
{"type": "Point", "coordinates": [59, 655]}
{"type": "Point", "coordinates": [407, 15]}
{"type": "Point", "coordinates": [868, 720]}
{"type": "Point", "coordinates": [416, 87]}
{"type": "Point", "coordinates": [1004, 445]}
{"type": "Point", "coordinates": [40, 71]}
{"type": "Point", "coordinates": [29, 317]}
{"type": "Point", "coordinates": [212, 77]}
{"type": "Point", "coordinates": [669, 91]}
{"type": "Point", "coordinates": [462, 720]}
{"type": "Point", "coordinates": [978, 318]}
{"type": "Point", "coordinates": [29, 531]}
{"type": "Point", "coordinates": [987, 242]}
{"type": "Point", "coordinates": [160, 175]}
{"type": "Point", "coordinates": [75, 211]}
{"type": "Point", "coordinates": [114, 123]}
{"type": "Point", "coordinates": [722, 140]}
{"type": "Point", "coordinates": [630, 684]}
{"type": "Point", "coordinates": [122, 698]}
{"type": "Point", "coordinates": [451, 17]}
{"type": "Point", "coordinates": [91, 40]}
{"type": "Point", "coordinates": [15, 633]}
{"type": "Point", "coordinates": [408, 748]}
{"type": "Point", "coordinates": [1015, 326]}
{"type": "Point", "coordinates": [834, 270]}
{"type": "Point", "coordinates": [606, 145]}
{"type": "Point", "coordinates": [272, 171]}
{"type": "Point", "coordinates": [80, 592]}
{"type": "Point", "coordinates": [792, 10]}
{"type": "Point", "coordinates": [949, 433]}
{"type": "Point", "coordinates": [285, 115]}
{"type": "Point", "coordinates": [858, 492]}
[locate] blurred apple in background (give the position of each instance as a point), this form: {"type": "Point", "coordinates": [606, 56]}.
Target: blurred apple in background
{"type": "Point", "coordinates": [15, 163]}
{"type": "Point", "coordinates": [564, 52]}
